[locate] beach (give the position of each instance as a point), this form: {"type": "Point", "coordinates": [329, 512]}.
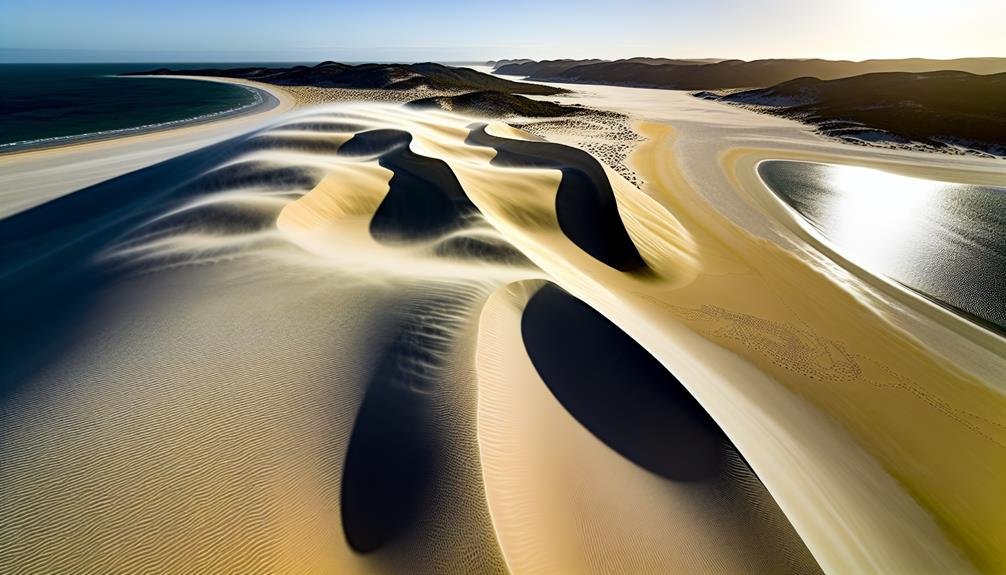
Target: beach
{"type": "Point", "coordinates": [352, 336]}
{"type": "Point", "coordinates": [33, 176]}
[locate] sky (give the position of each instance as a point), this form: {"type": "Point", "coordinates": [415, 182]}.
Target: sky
{"type": "Point", "coordinates": [471, 30]}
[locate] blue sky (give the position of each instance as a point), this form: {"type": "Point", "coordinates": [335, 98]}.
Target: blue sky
{"type": "Point", "coordinates": [385, 30]}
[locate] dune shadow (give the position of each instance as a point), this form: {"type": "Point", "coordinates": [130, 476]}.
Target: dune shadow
{"type": "Point", "coordinates": [324, 126]}
{"type": "Point", "coordinates": [424, 196]}
{"type": "Point", "coordinates": [295, 143]}
{"type": "Point", "coordinates": [259, 174]}
{"type": "Point", "coordinates": [392, 454]}
{"type": "Point", "coordinates": [584, 203]}
{"type": "Point", "coordinates": [618, 391]}
{"type": "Point", "coordinates": [482, 249]}
{"type": "Point", "coordinates": [627, 399]}
{"type": "Point", "coordinates": [395, 450]}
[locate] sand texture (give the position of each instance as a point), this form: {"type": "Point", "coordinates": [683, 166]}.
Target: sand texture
{"type": "Point", "coordinates": [367, 338]}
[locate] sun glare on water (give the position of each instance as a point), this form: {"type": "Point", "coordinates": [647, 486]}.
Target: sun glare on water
{"type": "Point", "coordinates": [875, 214]}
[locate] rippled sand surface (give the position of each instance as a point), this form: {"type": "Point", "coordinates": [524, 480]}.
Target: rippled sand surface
{"type": "Point", "coordinates": [371, 339]}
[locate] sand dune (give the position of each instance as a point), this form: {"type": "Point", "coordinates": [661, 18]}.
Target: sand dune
{"type": "Point", "coordinates": [624, 492]}
{"type": "Point", "coordinates": [374, 339]}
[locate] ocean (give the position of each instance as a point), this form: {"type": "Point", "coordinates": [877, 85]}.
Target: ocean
{"type": "Point", "coordinates": [47, 104]}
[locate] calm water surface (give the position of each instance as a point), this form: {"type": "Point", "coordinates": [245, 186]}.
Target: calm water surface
{"type": "Point", "coordinates": [945, 240]}
{"type": "Point", "coordinates": [46, 103]}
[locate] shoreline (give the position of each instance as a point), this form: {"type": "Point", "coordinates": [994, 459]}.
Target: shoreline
{"type": "Point", "coordinates": [34, 176]}
{"type": "Point", "coordinates": [265, 100]}
{"type": "Point", "coordinates": [270, 98]}
{"type": "Point", "coordinates": [262, 100]}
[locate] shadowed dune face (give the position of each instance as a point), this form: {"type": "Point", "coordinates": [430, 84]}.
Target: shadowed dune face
{"type": "Point", "coordinates": [584, 203]}
{"type": "Point", "coordinates": [618, 391]}
{"type": "Point", "coordinates": [349, 440]}
{"type": "Point", "coordinates": [393, 452]}
{"type": "Point", "coordinates": [560, 406]}
{"type": "Point", "coordinates": [424, 197]}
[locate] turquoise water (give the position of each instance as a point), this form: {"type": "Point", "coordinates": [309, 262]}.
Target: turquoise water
{"type": "Point", "coordinates": [49, 103]}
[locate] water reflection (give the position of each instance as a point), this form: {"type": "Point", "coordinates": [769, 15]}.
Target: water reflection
{"type": "Point", "coordinates": [945, 240]}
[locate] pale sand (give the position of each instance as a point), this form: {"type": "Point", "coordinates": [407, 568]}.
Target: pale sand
{"type": "Point", "coordinates": [935, 428]}
{"type": "Point", "coordinates": [884, 454]}
{"type": "Point", "coordinates": [849, 512]}
{"type": "Point", "coordinates": [202, 424]}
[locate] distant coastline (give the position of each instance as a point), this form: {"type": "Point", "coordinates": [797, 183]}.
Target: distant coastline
{"type": "Point", "coordinates": [263, 101]}
{"type": "Point", "coordinates": [50, 106]}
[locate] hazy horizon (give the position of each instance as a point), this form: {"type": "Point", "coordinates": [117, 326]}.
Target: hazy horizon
{"type": "Point", "coordinates": [188, 31]}
{"type": "Point", "coordinates": [8, 56]}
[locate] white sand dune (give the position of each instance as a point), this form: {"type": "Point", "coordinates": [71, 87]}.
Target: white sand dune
{"type": "Point", "coordinates": [312, 361]}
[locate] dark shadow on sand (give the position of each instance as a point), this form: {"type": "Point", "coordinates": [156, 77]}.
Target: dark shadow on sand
{"type": "Point", "coordinates": [584, 203]}
{"type": "Point", "coordinates": [424, 197]}
{"type": "Point", "coordinates": [391, 456]}
{"type": "Point", "coordinates": [618, 391]}
{"type": "Point", "coordinates": [629, 401]}
{"type": "Point", "coordinates": [395, 450]}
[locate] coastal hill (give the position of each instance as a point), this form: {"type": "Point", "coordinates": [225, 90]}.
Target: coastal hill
{"type": "Point", "coordinates": [938, 109]}
{"type": "Point", "coordinates": [505, 61]}
{"type": "Point", "coordinates": [705, 75]}
{"type": "Point", "coordinates": [497, 105]}
{"type": "Point", "coordinates": [370, 76]}
{"type": "Point", "coordinates": [542, 69]}
{"type": "Point", "coordinates": [546, 69]}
